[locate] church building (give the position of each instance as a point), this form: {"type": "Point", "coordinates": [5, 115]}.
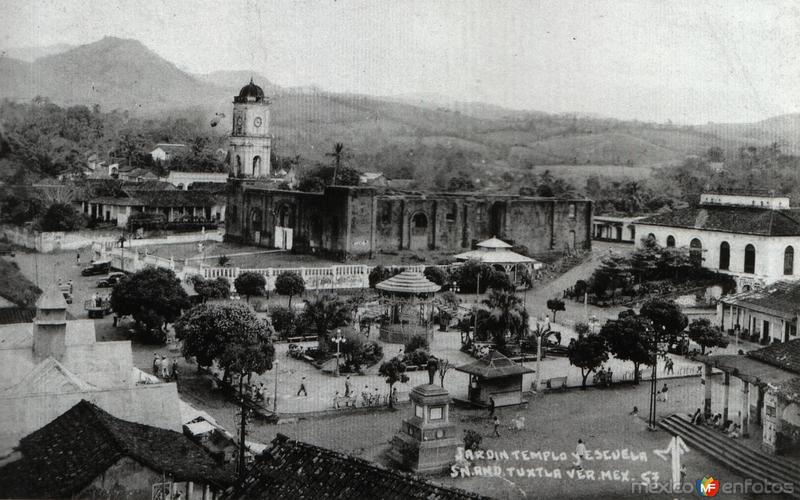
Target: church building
{"type": "Point", "coordinates": [351, 221]}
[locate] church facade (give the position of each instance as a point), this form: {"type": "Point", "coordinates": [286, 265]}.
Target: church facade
{"type": "Point", "coordinates": [348, 221]}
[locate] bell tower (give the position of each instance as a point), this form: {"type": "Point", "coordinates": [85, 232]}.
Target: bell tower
{"type": "Point", "coordinates": [250, 142]}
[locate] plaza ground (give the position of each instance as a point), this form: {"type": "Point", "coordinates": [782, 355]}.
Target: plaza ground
{"type": "Point", "coordinates": [553, 421]}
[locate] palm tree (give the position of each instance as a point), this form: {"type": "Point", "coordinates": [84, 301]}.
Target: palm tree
{"type": "Point", "coordinates": [505, 314]}
{"type": "Point", "coordinates": [337, 155]}
{"type": "Point", "coordinates": [327, 312]}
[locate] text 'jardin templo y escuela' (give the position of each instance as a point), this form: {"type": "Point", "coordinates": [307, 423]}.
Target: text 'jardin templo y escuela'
{"type": "Point", "coordinates": [523, 463]}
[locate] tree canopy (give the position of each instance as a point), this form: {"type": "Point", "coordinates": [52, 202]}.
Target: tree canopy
{"type": "Point", "coordinates": [152, 296]}
{"type": "Point", "coordinates": [630, 338]}
{"type": "Point", "coordinates": [326, 313]}
{"type": "Point", "coordinates": [230, 334]}
{"type": "Point", "coordinates": [588, 353]}
{"type": "Point", "coordinates": [706, 335]}
{"type": "Point", "coordinates": [393, 371]}
{"type": "Point", "coordinates": [666, 317]}
{"type": "Point", "coordinates": [289, 283]}
{"type": "Point", "coordinates": [218, 288]}
{"type": "Point", "coordinates": [250, 284]}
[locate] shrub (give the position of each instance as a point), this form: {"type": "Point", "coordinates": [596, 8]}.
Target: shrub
{"type": "Point", "coordinates": [61, 217]}
{"type": "Point", "coordinates": [472, 440]}
{"type": "Point", "coordinates": [417, 342]}
{"type": "Point", "coordinates": [436, 275]}
{"type": "Point", "coordinates": [283, 320]}
{"type": "Point", "coordinates": [499, 280]}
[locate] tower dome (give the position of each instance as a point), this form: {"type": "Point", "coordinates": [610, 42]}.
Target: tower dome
{"type": "Point", "coordinates": [250, 93]}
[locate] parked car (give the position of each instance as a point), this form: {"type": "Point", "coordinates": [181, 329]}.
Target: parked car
{"type": "Point", "coordinates": [97, 267]}
{"type": "Point", "coordinates": [110, 280]}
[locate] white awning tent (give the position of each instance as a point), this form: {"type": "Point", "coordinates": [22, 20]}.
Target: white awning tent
{"type": "Point", "coordinates": [496, 253]}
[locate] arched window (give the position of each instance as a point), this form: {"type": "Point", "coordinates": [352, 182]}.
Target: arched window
{"type": "Point", "coordinates": [724, 256]}
{"type": "Point", "coordinates": [788, 261]}
{"type": "Point", "coordinates": [419, 221]}
{"type": "Point", "coordinates": [696, 252]}
{"type": "Point", "coordinates": [651, 237]}
{"type": "Point", "coordinates": [256, 166]}
{"type": "Point", "coordinates": [670, 241]}
{"type": "Point", "coordinates": [750, 259]}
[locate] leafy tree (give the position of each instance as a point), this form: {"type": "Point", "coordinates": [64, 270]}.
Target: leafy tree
{"type": "Point", "coordinates": [249, 284]}
{"type": "Point", "coordinates": [588, 353]}
{"type": "Point", "coordinates": [556, 305]}
{"type": "Point", "coordinates": [61, 217]}
{"type": "Point", "coordinates": [326, 313]}
{"type": "Point", "coordinates": [223, 260]}
{"type": "Point", "coordinates": [218, 288]}
{"type": "Point", "coordinates": [393, 371]}
{"type": "Point", "coordinates": [630, 338]}
{"type": "Point", "coordinates": [378, 274]}
{"type": "Point", "coordinates": [289, 283]}
{"type": "Point", "coordinates": [706, 335]}
{"type": "Point", "coordinates": [499, 280]}
{"type": "Point", "coordinates": [230, 334]}
{"type": "Point", "coordinates": [472, 440]}
{"type": "Point", "coordinates": [283, 320]}
{"type": "Point", "coordinates": [666, 317]}
{"type": "Point", "coordinates": [468, 276]}
{"type": "Point", "coordinates": [153, 296]}
{"type": "Point", "coordinates": [582, 329]}
{"type": "Point", "coordinates": [436, 275]}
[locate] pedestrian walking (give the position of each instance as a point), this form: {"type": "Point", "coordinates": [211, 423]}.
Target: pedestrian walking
{"type": "Point", "coordinates": [580, 453]}
{"type": "Point", "coordinates": [662, 395]}
{"type": "Point", "coordinates": [496, 426]}
{"type": "Point", "coordinates": [78, 259]}
{"type": "Point", "coordinates": [302, 387]}
{"type": "Point", "coordinates": [491, 407]}
{"type": "Point", "coordinates": [155, 364]}
{"type": "Point", "coordinates": [670, 366]}
{"type": "Point", "coordinates": [347, 387]}
{"type": "Point", "coordinates": [174, 369]}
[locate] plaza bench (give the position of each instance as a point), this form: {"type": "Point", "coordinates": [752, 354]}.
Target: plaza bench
{"type": "Point", "coordinates": [556, 384]}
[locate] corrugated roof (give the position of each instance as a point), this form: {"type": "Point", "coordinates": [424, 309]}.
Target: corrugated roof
{"type": "Point", "coordinates": [408, 282]}
{"type": "Point", "coordinates": [731, 219]}
{"type": "Point", "coordinates": [65, 456]}
{"type": "Point", "coordinates": [494, 365]}
{"type": "Point", "coordinates": [291, 470]}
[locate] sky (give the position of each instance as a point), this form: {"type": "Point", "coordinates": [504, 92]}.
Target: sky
{"type": "Point", "coordinates": [688, 62]}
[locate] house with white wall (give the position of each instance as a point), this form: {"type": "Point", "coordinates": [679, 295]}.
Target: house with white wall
{"type": "Point", "coordinates": [751, 235]}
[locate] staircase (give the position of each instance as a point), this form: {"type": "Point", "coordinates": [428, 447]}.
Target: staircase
{"type": "Point", "coordinates": [753, 464]}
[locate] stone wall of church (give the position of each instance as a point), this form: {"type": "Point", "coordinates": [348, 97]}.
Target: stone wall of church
{"type": "Point", "coordinates": [345, 221]}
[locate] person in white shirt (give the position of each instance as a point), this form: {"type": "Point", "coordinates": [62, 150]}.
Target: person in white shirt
{"type": "Point", "coordinates": [580, 450]}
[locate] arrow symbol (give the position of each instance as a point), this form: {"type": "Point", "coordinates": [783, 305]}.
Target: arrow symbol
{"type": "Point", "coordinates": [674, 450]}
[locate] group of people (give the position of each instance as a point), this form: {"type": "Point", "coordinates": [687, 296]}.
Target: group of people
{"type": "Point", "coordinates": [97, 300]}
{"type": "Point", "coordinates": [258, 393]}
{"type": "Point", "coordinates": [165, 368]}
{"type": "Point", "coordinates": [368, 396]}
{"type": "Point", "coordinates": [727, 427]}
{"type": "Point", "coordinates": [603, 378]}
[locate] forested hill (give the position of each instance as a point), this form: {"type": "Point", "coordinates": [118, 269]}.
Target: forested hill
{"type": "Point", "coordinates": [122, 74]}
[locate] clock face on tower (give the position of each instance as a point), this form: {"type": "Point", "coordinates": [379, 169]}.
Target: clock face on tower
{"type": "Point", "coordinates": [257, 121]}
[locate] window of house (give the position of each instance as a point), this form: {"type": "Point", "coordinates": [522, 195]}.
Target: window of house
{"type": "Point", "coordinates": [437, 413]}
{"type": "Point", "coordinates": [724, 256]}
{"type": "Point", "coordinates": [670, 241]}
{"type": "Point", "coordinates": [769, 410]}
{"type": "Point", "coordinates": [792, 329]}
{"type": "Point", "coordinates": [479, 212]}
{"type": "Point", "coordinates": [573, 211]}
{"type": "Point", "coordinates": [788, 261]}
{"type": "Point", "coordinates": [419, 411]}
{"type": "Point", "coordinates": [451, 215]}
{"type": "Point", "coordinates": [750, 259]}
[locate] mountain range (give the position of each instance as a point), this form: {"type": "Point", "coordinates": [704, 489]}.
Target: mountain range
{"type": "Point", "coordinates": [123, 74]}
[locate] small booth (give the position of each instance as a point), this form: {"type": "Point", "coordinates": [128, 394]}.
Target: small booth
{"type": "Point", "coordinates": [427, 441]}
{"type": "Point", "coordinates": [497, 377]}
{"type": "Point", "coordinates": [407, 300]}
{"type": "Point", "coordinates": [498, 254]}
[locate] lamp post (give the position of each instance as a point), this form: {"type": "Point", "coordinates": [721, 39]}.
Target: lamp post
{"type": "Point", "coordinates": [538, 352]}
{"type": "Point", "coordinates": [275, 394]}
{"type": "Point", "coordinates": [338, 339]}
{"type": "Point", "coordinates": [477, 298]}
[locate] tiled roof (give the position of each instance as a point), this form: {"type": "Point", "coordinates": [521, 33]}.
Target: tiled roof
{"type": "Point", "coordinates": [731, 219]}
{"type": "Point", "coordinates": [781, 296]}
{"type": "Point", "coordinates": [292, 470]}
{"type": "Point", "coordinates": [66, 455]}
{"type": "Point", "coordinates": [494, 365]}
{"type": "Point", "coordinates": [785, 355]}
{"type": "Point", "coordinates": [14, 315]}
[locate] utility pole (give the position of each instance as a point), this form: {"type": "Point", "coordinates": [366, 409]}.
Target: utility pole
{"type": "Point", "coordinates": [477, 295]}
{"type": "Point", "coordinates": [275, 394]}
{"type": "Point", "coordinates": [240, 466]}
{"type": "Point", "coordinates": [654, 383]}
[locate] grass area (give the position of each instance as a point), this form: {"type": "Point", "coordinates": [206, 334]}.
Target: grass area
{"type": "Point", "coordinates": [15, 287]}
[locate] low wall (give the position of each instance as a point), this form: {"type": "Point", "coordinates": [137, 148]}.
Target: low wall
{"type": "Point", "coordinates": [55, 241]}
